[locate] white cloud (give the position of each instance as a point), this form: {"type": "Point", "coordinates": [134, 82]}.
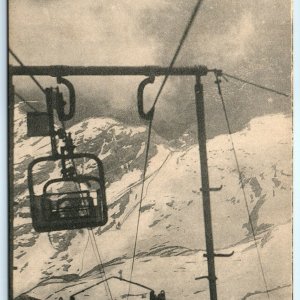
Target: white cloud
{"type": "Point", "coordinates": [79, 32]}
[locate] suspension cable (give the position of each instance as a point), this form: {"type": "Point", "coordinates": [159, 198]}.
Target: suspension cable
{"type": "Point", "coordinates": [31, 76]}
{"type": "Point", "coordinates": [100, 262]}
{"type": "Point", "coordinates": [25, 101]}
{"type": "Point", "coordinates": [254, 84]}
{"type": "Point", "coordinates": [140, 204]}
{"type": "Point", "coordinates": [181, 42]}
{"type": "Point", "coordinates": [86, 245]}
{"type": "Point", "coordinates": [242, 183]}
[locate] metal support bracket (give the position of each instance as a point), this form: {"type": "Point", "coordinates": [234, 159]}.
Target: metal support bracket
{"type": "Point", "coordinates": [206, 277]}
{"type": "Point", "coordinates": [221, 254]}
{"type": "Point", "coordinates": [216, 189]}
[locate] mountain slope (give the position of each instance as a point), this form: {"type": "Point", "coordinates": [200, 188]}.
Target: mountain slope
{"type": "Point", "coordinates": [171, 234]}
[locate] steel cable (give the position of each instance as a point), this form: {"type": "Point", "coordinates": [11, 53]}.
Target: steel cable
{"type": "Point", "coordinates": [31, 76]}
{"type": "Point", "coordinates": [254, 84]}
{"type": "Point", "coordinates": [242, 183]}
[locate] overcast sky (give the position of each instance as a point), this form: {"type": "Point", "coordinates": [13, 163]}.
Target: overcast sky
{"type": "Point", "coordinates": [250, 39]}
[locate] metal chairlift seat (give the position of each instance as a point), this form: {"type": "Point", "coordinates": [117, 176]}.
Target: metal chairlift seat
{"type": "Point", "coordinates": [81, 206]}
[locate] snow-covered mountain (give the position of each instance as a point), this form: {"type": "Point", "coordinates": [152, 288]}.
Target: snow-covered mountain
{"type": "Point", "coordinates": [171, 239]}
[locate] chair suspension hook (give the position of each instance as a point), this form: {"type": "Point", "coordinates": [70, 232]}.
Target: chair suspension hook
{"type": "Point", "coordinates": [140, 99]}
{"type": "Point", "coordinates": [60, 103]}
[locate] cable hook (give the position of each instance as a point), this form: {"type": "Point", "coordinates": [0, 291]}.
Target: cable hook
{"type": "Point", "coordinates": [140, 99]}
{"type": "Point", "coordinates": [60, 103]}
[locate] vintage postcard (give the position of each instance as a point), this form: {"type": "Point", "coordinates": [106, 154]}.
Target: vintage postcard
{"type": "Point", "coordinates": [150, 149]}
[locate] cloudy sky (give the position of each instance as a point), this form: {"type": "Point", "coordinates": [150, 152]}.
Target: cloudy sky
{"type": "Point", "coordinates": [250, 39]}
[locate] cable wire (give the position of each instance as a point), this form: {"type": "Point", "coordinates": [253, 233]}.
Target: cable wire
{"type": "Point", "coordinates": [31, 76]}
{"type": "Point", "coordinates": [87, 242]}
{"type": "Point", "coordinates": [100, 262]}
{"type": "Point", "coordinates": [25, 101]}
{"type": "Point", "coordinates": [242, 183]}
{"type": "Point", "coordinates": [140, 204]}
{"type": "Point", "coordinates": [254, 84]}
{"type": "Point", "coordinates": [181, 42]}
{"type": "Point", "coordinates": [100, 270]}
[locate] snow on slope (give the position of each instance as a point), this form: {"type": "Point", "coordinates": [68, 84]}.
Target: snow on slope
{"type": "Point", "coordinates": [123, 167]}
{"type": "Point", "coordinates": [171, 235]}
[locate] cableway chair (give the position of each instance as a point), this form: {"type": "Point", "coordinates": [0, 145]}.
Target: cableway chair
{"type": "Point", "coordinates": [68, 202]}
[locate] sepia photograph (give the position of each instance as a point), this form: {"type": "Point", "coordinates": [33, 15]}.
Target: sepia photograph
{"type": "Point", "coordinates": [150, 149]}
